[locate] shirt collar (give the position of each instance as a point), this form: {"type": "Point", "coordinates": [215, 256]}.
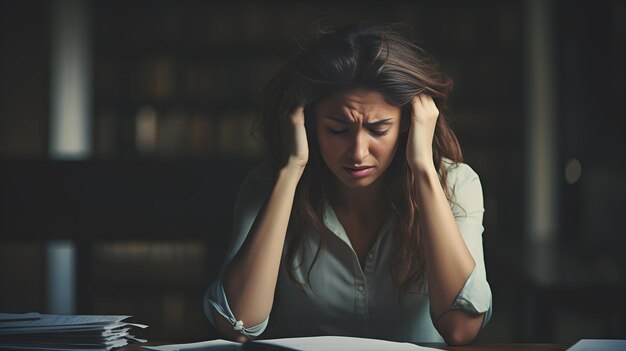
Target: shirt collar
{"type": "Point", "coordinates": [332, 222]}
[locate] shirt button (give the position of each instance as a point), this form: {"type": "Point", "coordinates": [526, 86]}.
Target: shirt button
{"type": "Point", "coordinates": [360, 288]}
{"type": "Point", "coordinates": [370, 255]}
{"type": "Point", "coordinates": [462, 302]}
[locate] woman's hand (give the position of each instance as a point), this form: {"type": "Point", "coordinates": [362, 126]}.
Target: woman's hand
{"type": "Point", "coordinates": [296, 144]}
{"type": "Point", "coordinates": [424, 114]}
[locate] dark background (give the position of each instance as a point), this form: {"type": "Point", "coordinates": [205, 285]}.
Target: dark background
{"type": "Point", "coordinates": [150, 223]}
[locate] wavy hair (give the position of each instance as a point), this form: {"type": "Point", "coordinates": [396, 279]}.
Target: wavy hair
{"type": "Point", "coordinates": [378, 58]}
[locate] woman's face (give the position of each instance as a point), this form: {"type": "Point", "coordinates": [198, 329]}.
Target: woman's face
{"type": "Point", "coordinates": [358, 133]}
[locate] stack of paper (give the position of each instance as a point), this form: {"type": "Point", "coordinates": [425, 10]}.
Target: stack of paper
{"type": "Point", "coordinates": [34, 331]}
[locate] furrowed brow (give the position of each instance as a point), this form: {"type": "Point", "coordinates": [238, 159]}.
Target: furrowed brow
{"type": "Point", "coordinates": [369, 124]}
{"type": "Point", "coordinates": [339, 120]}
{"type": "Point", "coordinates": [377, 123]}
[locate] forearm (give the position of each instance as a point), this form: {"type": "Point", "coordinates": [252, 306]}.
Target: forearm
{"type": "Point", "coordinates": [250, 279]}
{"type": "Point", "coordinates": [448, 260]}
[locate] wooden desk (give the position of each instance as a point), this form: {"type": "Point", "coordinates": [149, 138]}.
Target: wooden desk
{"type": "Point", "coordinates": [501, 347]}
{"type": "Point", "coordinates": [477, 347]}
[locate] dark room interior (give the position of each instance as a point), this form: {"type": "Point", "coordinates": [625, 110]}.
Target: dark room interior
{"type": "Point", "coordinates": [117, 185]}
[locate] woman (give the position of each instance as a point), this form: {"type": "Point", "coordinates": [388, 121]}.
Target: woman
{"type": "Point", "coordinates": [364, 222]}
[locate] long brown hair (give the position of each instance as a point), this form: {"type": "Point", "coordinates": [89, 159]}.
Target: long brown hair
{"type": "Point", "coordinates": [371, 57]}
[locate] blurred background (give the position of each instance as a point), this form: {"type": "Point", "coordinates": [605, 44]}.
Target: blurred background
{"type": "Point", "coordinates": [124, 137]}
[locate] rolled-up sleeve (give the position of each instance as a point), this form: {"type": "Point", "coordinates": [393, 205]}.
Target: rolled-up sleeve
{"type": "Point", "coordinates": [468, 210]}
{"type": "Point", "coordinates": [252, 193]}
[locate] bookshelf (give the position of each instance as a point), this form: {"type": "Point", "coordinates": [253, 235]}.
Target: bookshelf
{"type": "Point", "coordinates": [198, 67]}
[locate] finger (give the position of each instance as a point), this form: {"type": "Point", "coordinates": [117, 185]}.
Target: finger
{"type": "Point", "coordinates": [297, 110]}
{"type": "Point", "coordinates": [416, 100]}
{"type": "Point", "coordinates": [426, 99]}
{"type": "Point", "coordinates": [415, 103]}
{"type": "Point", "coordinates": [422, 100]}
{"type": "Point", "coordinates": [418, 104]}
{"type": "Point", "coordinates": [297, 114]}
{"type": "Point", "coordinates": [432, 106]}
{"type": "Point", "coordinates": [428, 103]}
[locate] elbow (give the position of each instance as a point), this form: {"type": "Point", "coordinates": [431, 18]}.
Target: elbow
{"type": "Point", "coordinates": [226, 331]}
{"type": "Point", "coordinates": [459, 337]}
{"type": "Point", "coordinates": [240, 338]}
{"type": "Point", "coordinates": [460, 328]}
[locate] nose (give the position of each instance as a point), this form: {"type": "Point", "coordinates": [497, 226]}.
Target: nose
{"type": "Point", "coordinates": [359, 149]}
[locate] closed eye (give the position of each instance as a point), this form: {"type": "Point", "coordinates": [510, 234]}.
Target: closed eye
{"type": "Point", "coordinates": [337, 131]}
{"type": "Point", "coordinates": [380, 132]}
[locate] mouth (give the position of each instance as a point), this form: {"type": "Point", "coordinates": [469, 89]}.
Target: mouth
{"type": "Point", "coordinates": [359, 171]}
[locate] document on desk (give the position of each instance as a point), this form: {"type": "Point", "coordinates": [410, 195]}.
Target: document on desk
{"type": "Point", "coordinates": [34, 331]}
{"type": "Point", "coordinates": [599, 345]}
{"type": "Point", "coordinates": [44, 321]}
{"type": "Point", "coordinates": [212, 345]}
{"type": "Point", "coordinates": [315, 343]}
{"type": "Point", "coordinates": [10, 317]}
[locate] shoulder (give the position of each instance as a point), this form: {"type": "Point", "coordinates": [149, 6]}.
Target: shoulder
{"type": "Point", "coordinates": [459, 174]}
{"type": "Point", "coordinates": [261, 172]}
{"type": "Point", "coordinates": [256, 184]}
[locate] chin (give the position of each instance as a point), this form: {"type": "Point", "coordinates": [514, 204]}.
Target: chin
{"type": "Point", "coordinates": [356, 184]}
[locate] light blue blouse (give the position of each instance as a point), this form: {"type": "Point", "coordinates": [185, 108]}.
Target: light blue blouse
{"type": "Point", "coordinates": [344, 299]}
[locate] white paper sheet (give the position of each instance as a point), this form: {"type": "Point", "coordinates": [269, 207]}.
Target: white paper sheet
{"type": "Point", "coordinates": [62, 320]}
{"type": "Point", "coordinates": [599, 345]}
{"type": "Point", "coordinates": [46, 332]}
{"type": "Point", "coordinates": [341, 343]}
{"type": "Point", "coordinates": [316, 343]}
{"type": "Point", "coordinates": [212, 345]}
{"type": "Point", "coordinates": [11, 317]}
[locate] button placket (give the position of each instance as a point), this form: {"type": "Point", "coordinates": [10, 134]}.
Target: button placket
{"type": "Point", "coordinates": [368, 271]}
{"type": "Point", "coordinates": [370, 263]}
{"type": "Point", "coordinates": [360, 298]}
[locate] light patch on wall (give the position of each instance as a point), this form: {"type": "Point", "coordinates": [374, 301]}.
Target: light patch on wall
{"type": "Point", "coordinates": [573, 171]}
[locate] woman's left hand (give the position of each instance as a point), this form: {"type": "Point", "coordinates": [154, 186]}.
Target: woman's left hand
{"type": "Point", "coordinates": [424, 114]}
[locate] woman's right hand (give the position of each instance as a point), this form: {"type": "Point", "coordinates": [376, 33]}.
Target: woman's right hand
{"type": "Point", "coordinates": [294, 134]}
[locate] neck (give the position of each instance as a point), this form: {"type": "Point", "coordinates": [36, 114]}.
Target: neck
{"type": "Point", "coordinates": [361, 201]}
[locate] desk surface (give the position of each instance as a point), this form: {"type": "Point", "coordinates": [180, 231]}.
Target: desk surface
{"type": "Point", "coordinates": [477, 347]}
{"type": "Point", "coordinates": [501, 347]}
